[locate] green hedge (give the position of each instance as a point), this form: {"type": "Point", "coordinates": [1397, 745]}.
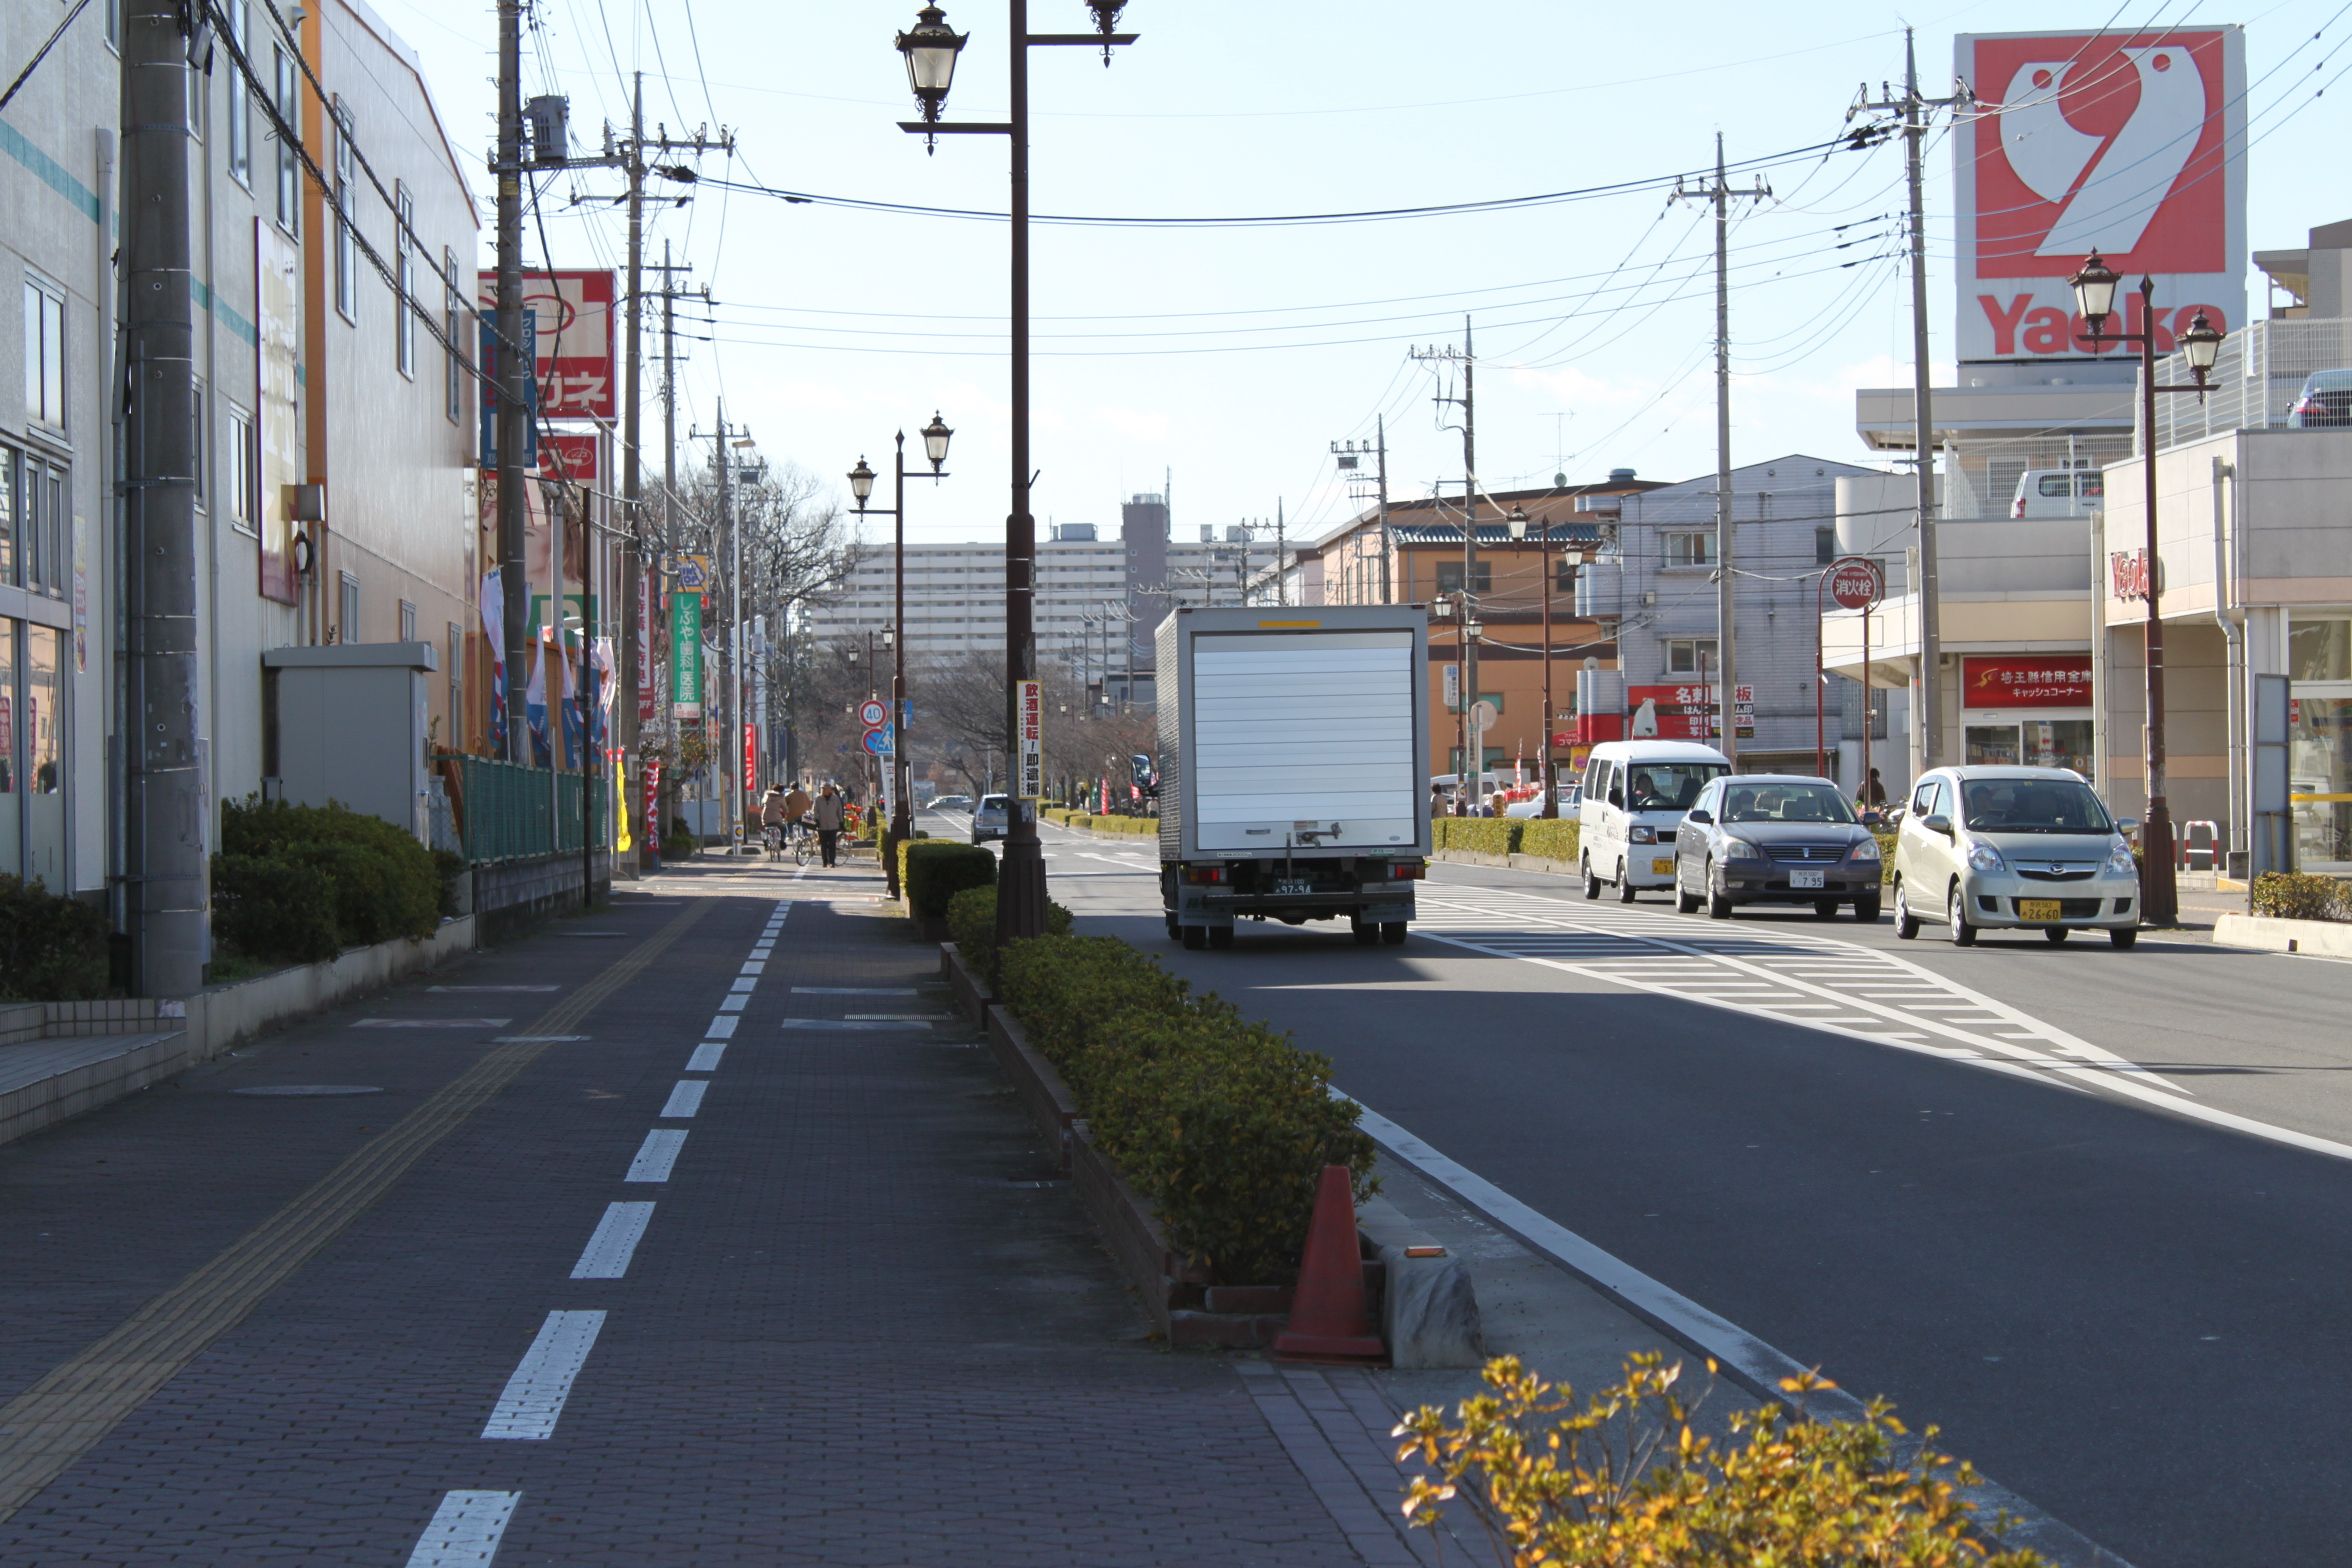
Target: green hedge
{"type": "Point", "coordinates": [1223, 1125]}
{"type": "Point", "coordinates": [971, 926]}
{"type": "Point", "coordinates": [2292, 895]}
{"type": "Point", "coordinates": [299, 883]}
{"type": "Point", "coordinates": [931, 871]}
{"type": "Point", "coordinates": [52, 948]}
{"type": "Point", "coordinates": [1558, 839]}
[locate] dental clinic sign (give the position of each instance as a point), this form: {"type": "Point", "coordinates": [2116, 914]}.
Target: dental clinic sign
{"type": "Point", "coordinates": [2129, 143]}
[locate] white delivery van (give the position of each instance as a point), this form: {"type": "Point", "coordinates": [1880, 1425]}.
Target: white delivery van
{"type": "Point", "coordinates": [1635, 792]}
{"type": "Point", "coordinates": [2058, 492]}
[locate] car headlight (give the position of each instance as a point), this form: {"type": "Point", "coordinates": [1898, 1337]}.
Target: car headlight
{"type": "Point", "coordinates": [1740, 849]}
{"type": "Point", "coordinates": [1643, 834]}
{"type": "Point", "coordinates": [1864, 849]}
{"type": "Point", "coordinates": [1983, 857]}
{"type": "Point", "coordinates": [2120, 862]}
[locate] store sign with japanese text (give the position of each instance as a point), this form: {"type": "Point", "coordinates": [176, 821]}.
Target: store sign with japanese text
{"type": "Point", "coordinates": [2037, 680]}
{"type": "Point", "coordinates": [1685, 712]}
{"type": "Point", "coordinates": [573, 311]}
{"type": "Point", "coordinates": [1032, 740]}
{"type": "Point", "coordinates": [572, 457]}
{"type": "Point", "coordinates": [2128, 143]}
{"type": "Point", "coordinates": [686, 655]}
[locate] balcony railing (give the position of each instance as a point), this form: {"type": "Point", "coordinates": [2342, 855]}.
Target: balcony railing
{"type": "Point", "coordinates": [2255, 378]}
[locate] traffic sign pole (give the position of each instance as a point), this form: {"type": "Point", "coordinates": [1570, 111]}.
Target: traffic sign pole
{"type": "Point", "coordinates": [1856, 583]}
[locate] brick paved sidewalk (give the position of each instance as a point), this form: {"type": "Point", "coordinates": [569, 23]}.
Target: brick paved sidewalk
{"type": "Point", "coordinates": [756, 1263]}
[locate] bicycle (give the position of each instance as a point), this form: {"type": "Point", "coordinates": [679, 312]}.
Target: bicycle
{"type": "Point", "coordinates": [772, 836]}
{"type": "Point", "coordinates": [804, 843]}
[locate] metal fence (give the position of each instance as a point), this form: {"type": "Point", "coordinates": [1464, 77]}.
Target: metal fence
{"type": "Point", "coordinates": [509, 812]}
{"type": "Point", "coordinates": [2255, 378]}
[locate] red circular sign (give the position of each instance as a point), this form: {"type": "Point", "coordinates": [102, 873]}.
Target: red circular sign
{"type": "Point", "coordinates": [1854, 583]}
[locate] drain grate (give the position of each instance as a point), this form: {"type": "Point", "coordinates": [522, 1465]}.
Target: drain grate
{"type": "Point", "coordinates": [308, 1091]}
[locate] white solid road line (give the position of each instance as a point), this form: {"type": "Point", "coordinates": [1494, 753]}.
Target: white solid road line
{"type": "Point", "coordinates": [457, 988]}
{"type": "Point", "coordinates": [432, 1023]}
{"type": "Point", "coordinates": [608, 1251]}
{"type": "Point", "coordinates": [720, 1028]}
{"type": "Point", "coordinates": [534, 1398]}
{"type": "Point", "coordinates": [685, 1099]}
{"type": "Point", "coordinates": [706, 1057]}
{"type": "Point", "coordinates": [839, 1024]}
{"type": "Point", "coordinates": [1756, 1362]}
{"type": "Point", "coordinates": [465, 1530]}
{"type": "Point", "coordinates": [856, 990]}
{"type": "Point", "coordinates": [657, 1154]}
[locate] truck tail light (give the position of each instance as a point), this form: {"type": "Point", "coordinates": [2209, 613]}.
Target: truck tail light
{"type": "Point", "coordinates": [1205, 876]}
{"type": "Point", "coordinates": [1407, 870]}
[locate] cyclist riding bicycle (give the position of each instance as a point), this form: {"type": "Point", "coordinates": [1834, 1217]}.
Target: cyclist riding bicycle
{"type": "Point", "coordinates": [776, 816]}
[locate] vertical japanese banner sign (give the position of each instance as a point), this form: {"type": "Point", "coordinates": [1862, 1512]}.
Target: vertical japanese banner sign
{"type": "Point", "coordinates": [686, 655]}
{"type": "Point", "coordinates": [494, 628]}
{"type": "Point", "coordinates": [277, 268]}
{"type": "Point", "coordinates": [620, 799]}
{"type": "Point", "coordinates": [644, 672]}
{"type": "Point", "coordinates": [750, 758]}
{"type": "Point", "coordinates": [652, 803]}
{"type": "Point", "coordinates": [1032, 740]}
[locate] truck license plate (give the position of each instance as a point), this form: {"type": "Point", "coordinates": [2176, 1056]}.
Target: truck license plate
{"type": "Point", "coordinates": [2038, 909]}
{"type": "Point", "coordinates": [1662, 866]}
{"type": "Point", "coordinates": [1806, 879]}
{"type": "Point", "coordinates": [1293, 885]}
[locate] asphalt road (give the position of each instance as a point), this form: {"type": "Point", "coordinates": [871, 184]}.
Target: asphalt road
{"type": "Point", "coordinates": [2049, 1198]}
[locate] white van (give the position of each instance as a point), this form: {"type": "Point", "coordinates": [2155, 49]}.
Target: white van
{"type": "Point", "coordinates": [1635, 792]}
{"type": "Point", "coordinates": [2058, 492]}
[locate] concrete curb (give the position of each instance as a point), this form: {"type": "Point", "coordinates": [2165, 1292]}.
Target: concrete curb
{"type": "Point", "coordinates": [2271, 934]}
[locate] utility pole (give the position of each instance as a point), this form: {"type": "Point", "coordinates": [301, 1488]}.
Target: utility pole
{"type": "Point", "coordinates": [633, 536]}
{"type": "Point", "coordinates": [1347, 454]}
{"type": "Point", "coordinates": [1281, 555]}
{"type": "Point", "coordinates": [166, 895]}
{"type": "Point", "coordinates": [1471, 782]}
{"type": "Point", "coordinates": [513, 381]}
{"type": "Point", "coordinates": [1721, 195]}
{"type": "Point", "coordinates": [1927, 722]}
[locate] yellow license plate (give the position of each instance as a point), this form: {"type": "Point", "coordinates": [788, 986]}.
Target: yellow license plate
{"type": "Point", "coordinates": [1663, 866]}
{"type": "Point", "coordinates": [2038, 909]}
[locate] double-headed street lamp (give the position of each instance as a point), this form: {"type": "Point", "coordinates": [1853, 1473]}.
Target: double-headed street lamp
{"type": "Point", "coordinates": [1462, 609]}
{"type": "Point", "coordinates": [861, 485]}
{"type": "Point", "coordinates": [2094, 293]}
{"type": "Point", "coordinates": [1517, 524]}
{"type": "Point", "coordinates": [930, 48]}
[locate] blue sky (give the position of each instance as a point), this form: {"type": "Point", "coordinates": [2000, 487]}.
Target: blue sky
{"type": "Point", "coordinates": [1233, 357]}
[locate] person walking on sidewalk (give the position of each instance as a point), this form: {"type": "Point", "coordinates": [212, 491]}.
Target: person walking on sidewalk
{"type": "Point", "coordinates": [829, 822]}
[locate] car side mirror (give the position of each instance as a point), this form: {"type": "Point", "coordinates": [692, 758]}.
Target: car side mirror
{"type": "Point", "coordinates": [2127, 826]}
{"type": "Point", "coordinates": [1937, 823]}
{"type": "Point", "coordinates": [1700, 815]}
{"type": "Point", "coordinates": [1616, 797]}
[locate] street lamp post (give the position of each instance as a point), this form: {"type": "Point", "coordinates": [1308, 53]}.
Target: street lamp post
{"type": "Point", "coordinates": [1517, 523]}
{"type": "Point", "coordinates": [2094, 291]}
{"type": "Point", "coordinates": [930, 49]}
{"type": "Point", "coordinates": [861, 485]}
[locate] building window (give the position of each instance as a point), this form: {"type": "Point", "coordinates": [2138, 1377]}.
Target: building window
{"type": "Point", "coordinates": [196, 81]}
{"type": "Point", "coordinates": [453, 386]}
{"type": "Point", "coordinates": [347, 620]}
{"type": "Point", "coordinates": [9, 512]}
{"type": "Point", "coordinates": [346, 241]}
{"type": "Point", "coordinates": [197, 463]}
{"type": "Point", "coordinates": [1690, 655]}
{"type": "Point", "coordinates": [238, 492]}
{"type": "Point", "coordinates": [404, 274]}
{"type": "Point", "coordinates": [114, 25]}
{"type": "Point", "coordinates": [44, 340]}
{"type": "Point", "coordinates": [240, 105]}
{"type": "Point", "coordinates": [283, 82]}
{"type": "Point", "coordinates": [1449, 577]}
{"type": "Point", "coordinates": [1564, 575]}
{"type": "Point", "coordinates": [1686, 547]}
{"type": "Point", "coordinates": [407, 621]}
{"type": "Point", "coordinates": [33, 523]}
{"type": "Point", "coordinates": [454, 737]}
{"type": "Point", "coordinates": [1825, 550]}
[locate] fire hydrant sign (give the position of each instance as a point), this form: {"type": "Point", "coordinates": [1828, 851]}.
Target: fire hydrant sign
{"type": "Point", "coordinates": [1032, 740]}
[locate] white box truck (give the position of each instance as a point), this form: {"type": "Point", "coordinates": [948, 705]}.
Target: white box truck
{"type": "Point", "coordinates": [1293, 758]}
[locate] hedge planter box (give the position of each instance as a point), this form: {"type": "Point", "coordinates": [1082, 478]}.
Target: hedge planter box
{"type": "Point", "coordinates": [968, 989]}
{"type": "Point", "coordinates": [929, 928]}
{"type": "Point", "coordinates": [1042, 1093]}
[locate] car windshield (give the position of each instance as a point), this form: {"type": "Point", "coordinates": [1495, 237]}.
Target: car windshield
{"type": "Point", "coordinates": [1667, 786]}
{"type": "Point", "coordinates": [2032, 806]}
{"type": "Point", "coordinates": [1784, 803]}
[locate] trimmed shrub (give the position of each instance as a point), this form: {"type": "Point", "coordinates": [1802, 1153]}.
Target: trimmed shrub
{"type": "Point", "coordinates": [2300, 895]}
{"type": "Point", "coordinates": [1479, 835]}
{"type": "Point", "coordinates": [1558, 839]}
{"type": "Point", "coordinates": [1886, 853]}
{"type": "Point", "coordinates": [52, 948]}
{"type": "Point", "coordinates": [272, 909]}
{"type": "Point", "coordinates": [971, 926]}
{"type": "Point", "coordinates": [1223, 1125]}
{"type": "Point", "coordinates": [932, 871]}
{"type": "Point", "coordinates": [380, 883]}
{"type": "Point", "coordinates": [451, 868]}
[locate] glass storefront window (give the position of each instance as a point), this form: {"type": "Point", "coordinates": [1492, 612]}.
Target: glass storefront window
{"type": "Point", "coordinates": [43, 730]}
{"type": "Point", "coordinates": [7, 517]}
{"type": "Point", "coordinates": [11, 796]}
{"type": "Point", "coordinates": [2032, 743]}
{"type": "Point", "coordinates": [2319, 778]}
{"type": "Point", "coordinates": [2319, 650]}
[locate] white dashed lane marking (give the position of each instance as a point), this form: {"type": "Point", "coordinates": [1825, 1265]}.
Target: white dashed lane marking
{"type": "Point", "coordinates": [615, 1242]}
{"type": "Point", "coordinates": [657, 1155]}
{"type": "Point", "coordinates": [685, 1099]}
{"type": "Point", "coordinates": [534, 1397]}
{"type": "Point", "coordinates": [465, 1530]}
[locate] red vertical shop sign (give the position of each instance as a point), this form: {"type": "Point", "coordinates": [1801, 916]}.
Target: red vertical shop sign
{"type": "Point", "coordinates": [645, 625]}
{"type": "Point", "coordinates": [750, 758]}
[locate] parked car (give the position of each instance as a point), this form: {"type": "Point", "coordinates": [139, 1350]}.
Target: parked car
{"type": "Point", "coordinates": [2325, 403]}
{"type": "Point", "coordinates": [1985, 848]}
{"type": "Point", "coordinates": [1533, 806]}
{"type": "Point", "coordinates": [1635, 792]}
{"type": "Point", "coordinates": [1775, 838]}
{"type": "Point", "coordinates": [952, 803]}
{"type": "Point", "coordinates": [2058, 492]}
{"type": "Point", "coordinates": [993, 819]}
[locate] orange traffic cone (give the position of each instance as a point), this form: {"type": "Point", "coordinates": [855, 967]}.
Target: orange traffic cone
{"type": "Point", "coordinates": [1329, 1316]}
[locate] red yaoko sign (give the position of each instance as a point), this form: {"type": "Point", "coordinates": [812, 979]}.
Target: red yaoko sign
{"type": "Point", "coordinates": [573, 310]}
{"type": "Point", "coordinates": [2026, 680]}
{"type": "Point", "coordinates": [2128, 143]}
